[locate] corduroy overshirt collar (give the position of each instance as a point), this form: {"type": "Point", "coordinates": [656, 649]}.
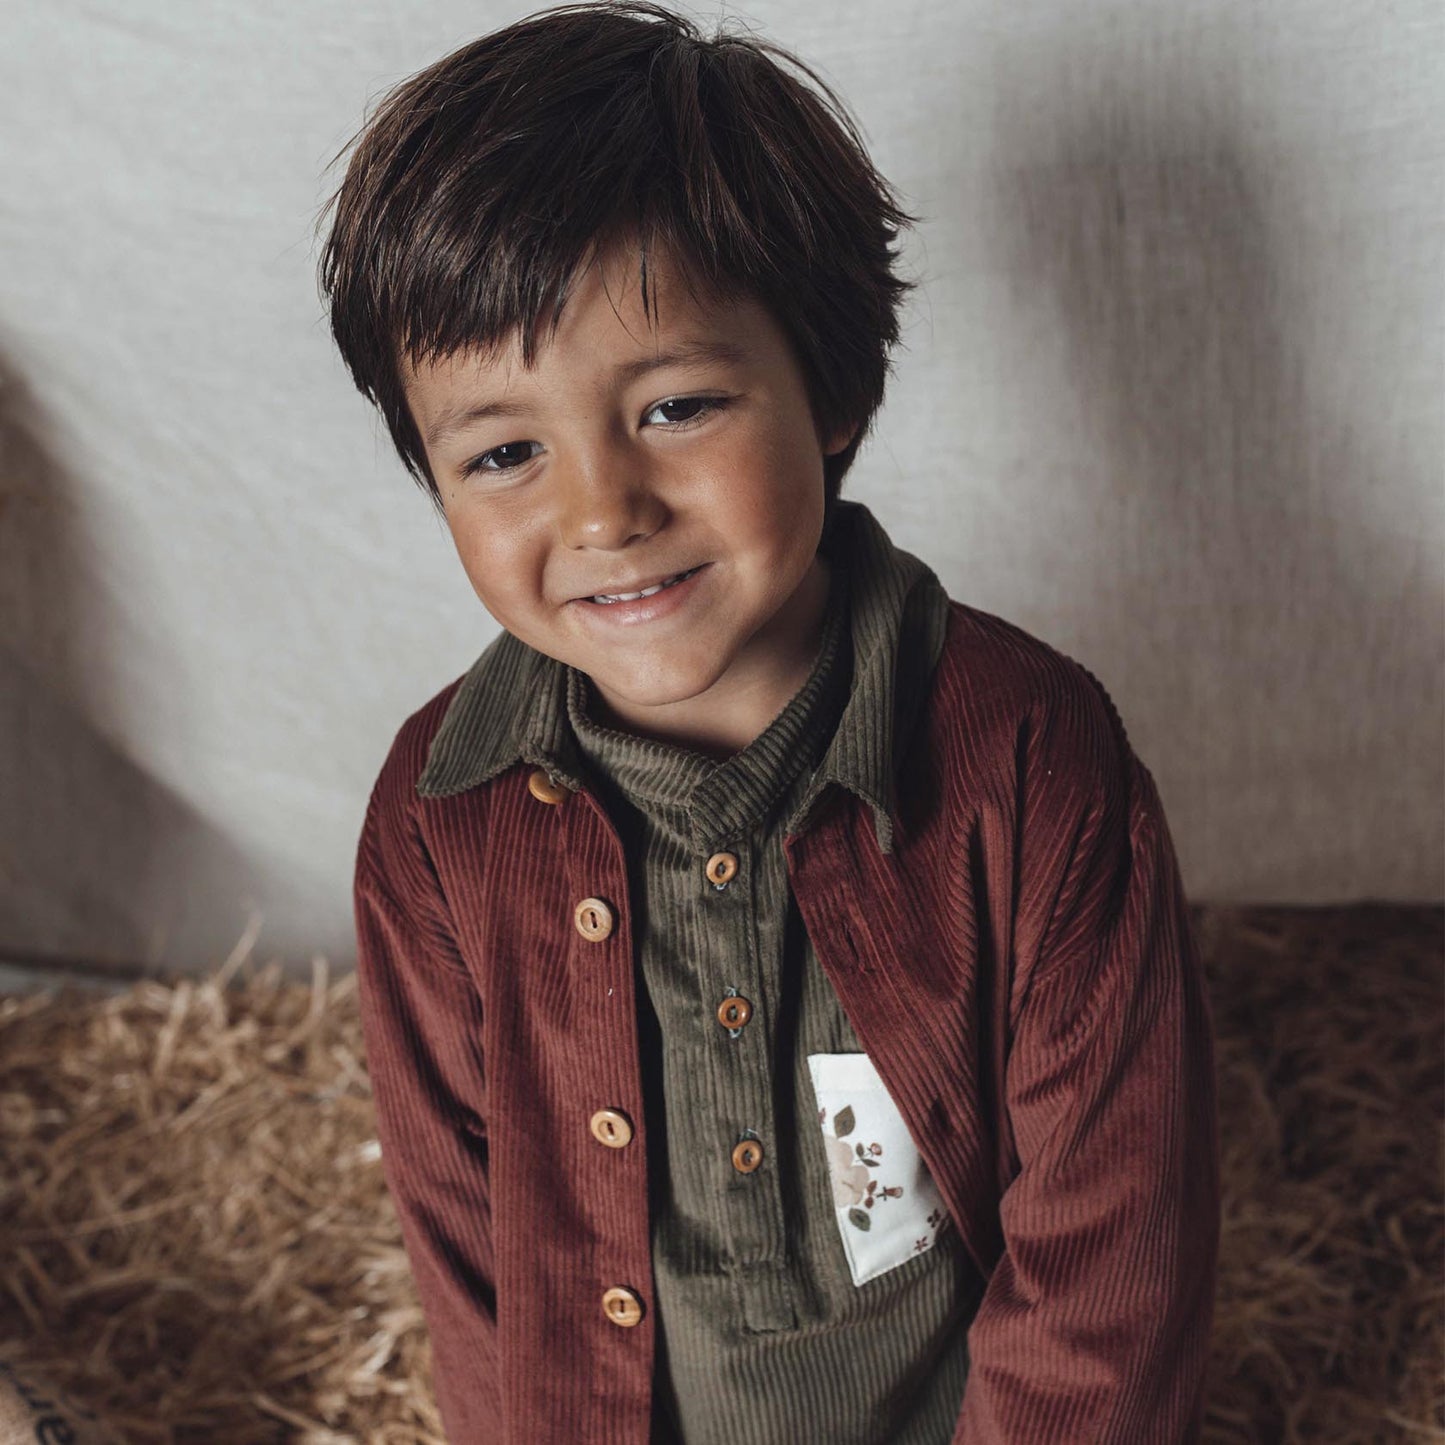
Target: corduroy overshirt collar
{"type": "Point", "coordinates": [512, 704]}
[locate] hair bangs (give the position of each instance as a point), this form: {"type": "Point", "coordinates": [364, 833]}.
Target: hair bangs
{"type": "Point", "coordinates": [484, 186]}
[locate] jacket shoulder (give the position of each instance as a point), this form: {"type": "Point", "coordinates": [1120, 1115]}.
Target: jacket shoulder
{"type": "Point", "coordinates": [1000, 691]}
{"type": "Point", "coordinates": [389, 835]}
{"type": "Point", "coordinates": [407, 757]}
{"type": "Point", "coordinates": [1021, 727]}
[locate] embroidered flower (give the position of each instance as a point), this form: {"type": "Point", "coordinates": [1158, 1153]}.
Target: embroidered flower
{"type": "Point", "coordinates": [850, 1178]}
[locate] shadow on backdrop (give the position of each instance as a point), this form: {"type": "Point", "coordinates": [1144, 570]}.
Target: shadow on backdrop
{"type": "Point", "coordinates": [1261, 550]}
{"type": "Point", "coordinates": [102, 866]}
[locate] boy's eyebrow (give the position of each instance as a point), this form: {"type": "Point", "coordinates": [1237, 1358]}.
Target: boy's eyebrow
{"type": "Point", "coordinates": [689, 353]}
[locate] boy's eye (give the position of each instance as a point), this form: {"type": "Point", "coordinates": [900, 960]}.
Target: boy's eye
{"type": "Point", "coordinates": [505, 458]}
{"type": "Point", "coordinates": [677, 413]}
{"type": "Point", "coordinates": [692, 408]}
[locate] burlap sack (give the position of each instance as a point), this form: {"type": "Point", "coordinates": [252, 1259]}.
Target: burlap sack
{"type": "Point", "coordinates": [33, 1412]}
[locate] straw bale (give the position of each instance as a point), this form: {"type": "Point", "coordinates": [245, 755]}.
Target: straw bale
{"type": "Point", "coordinates": [196, 1242]}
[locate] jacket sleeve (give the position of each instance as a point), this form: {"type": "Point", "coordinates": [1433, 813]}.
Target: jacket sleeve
{"type": "Point", "coordinates": [421, 1020]}
{"type": "Point", "coordinates": [1095, 1322]}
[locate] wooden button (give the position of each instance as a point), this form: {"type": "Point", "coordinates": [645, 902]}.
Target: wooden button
{"type": "Point", "coordinates": [612, 1128]}
{"type": "Point", "coordinates": [622, 1307]}
{"type": "Point", "coordinates": [593, 919]}
{"type": "Point", "coordinates": [747, 1156]}
{"type": "Point", "coordinates": [544, 790]}
{"type": "Point", "coordinates": [721, 869]}
{"type": "Point", "coordinates": [734, 1012]}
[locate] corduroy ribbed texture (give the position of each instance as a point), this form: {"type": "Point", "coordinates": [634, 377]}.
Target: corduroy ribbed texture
{"type": "Point", "coordinates": [760, 1325]}
{"type": "Point", "coordinates": [1006, 932]}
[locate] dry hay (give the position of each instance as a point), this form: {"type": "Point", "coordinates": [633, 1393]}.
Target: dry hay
{"type": "Point", "coordinates": [195, 1240]}
{"type": "Point", "coordinates": [1330, 1030]}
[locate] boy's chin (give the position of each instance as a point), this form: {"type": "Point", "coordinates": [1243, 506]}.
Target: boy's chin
{"type": "Point", "coordinates": [655, 692]}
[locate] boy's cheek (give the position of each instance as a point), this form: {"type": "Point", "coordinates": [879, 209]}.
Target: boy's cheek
{"type": "Point", "coordinates": [510, 584]}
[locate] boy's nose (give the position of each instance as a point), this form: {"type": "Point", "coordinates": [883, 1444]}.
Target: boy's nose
{"type": "Point", "coordinates": [608, 514]}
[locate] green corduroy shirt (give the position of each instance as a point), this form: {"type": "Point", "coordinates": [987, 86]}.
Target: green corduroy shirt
{"type": "Point", "coordinates": [761, 1327]}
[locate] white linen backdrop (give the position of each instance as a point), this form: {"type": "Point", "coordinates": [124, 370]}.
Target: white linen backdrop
{"type": "Point", "coordinates": [1170, 398]}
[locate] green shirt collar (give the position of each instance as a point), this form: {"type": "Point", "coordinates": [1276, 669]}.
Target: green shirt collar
{"type": "Point", "coordinates": [511, 705]}
{"type": "Point", "coordinates": [713, 801]}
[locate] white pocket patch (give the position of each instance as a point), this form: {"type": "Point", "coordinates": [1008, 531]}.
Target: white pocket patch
{"type": "Point", "coordinates": [888, 1208]}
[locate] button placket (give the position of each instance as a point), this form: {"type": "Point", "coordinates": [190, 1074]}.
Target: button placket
{"type": "Point", "coordinates": [752, 1162]}
{"type": "Point", "coordinates": [754, 1209]}
{"type": "Point", "coordinates": [732, 1000]}
{"type": "Point", "coordinates": [608, 1061]}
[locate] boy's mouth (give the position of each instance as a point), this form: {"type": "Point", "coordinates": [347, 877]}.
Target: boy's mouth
{"type": "Point", "coordinates": [606, 599]}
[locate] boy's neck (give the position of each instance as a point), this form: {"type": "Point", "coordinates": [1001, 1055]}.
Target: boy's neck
{"type": "Point", "coordinates": [735, 710]}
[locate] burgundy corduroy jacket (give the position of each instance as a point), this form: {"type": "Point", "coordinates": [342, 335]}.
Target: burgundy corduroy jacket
{"type": "Point", "coordinates": [1012, 948]}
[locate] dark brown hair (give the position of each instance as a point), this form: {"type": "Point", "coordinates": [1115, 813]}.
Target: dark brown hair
{"type": "Point", "coordinates": [480, 187]}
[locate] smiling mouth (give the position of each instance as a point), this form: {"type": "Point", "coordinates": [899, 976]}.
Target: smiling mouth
{"type": "Point", "coordinates": [608, 598]}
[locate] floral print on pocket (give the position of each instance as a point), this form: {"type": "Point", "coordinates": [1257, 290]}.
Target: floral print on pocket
{"type": "Point", "coordinates": [854, 1187]}
{"type": "Point", "coordinates": [888, 1208]}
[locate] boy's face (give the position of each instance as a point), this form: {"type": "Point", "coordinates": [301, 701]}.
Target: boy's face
{"type": "Point", "coordinates": [632, 454]}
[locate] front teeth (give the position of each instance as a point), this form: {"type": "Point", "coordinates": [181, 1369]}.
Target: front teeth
{"type": "Point", "coordinates": [646, 591]}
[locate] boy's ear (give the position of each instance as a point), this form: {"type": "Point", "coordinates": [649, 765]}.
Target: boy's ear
{"type": "Point", "coordinates": [839, 439]}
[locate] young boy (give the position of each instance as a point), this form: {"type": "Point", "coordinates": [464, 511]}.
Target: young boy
{"type": "Point", "coordinates": [776, 978]}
